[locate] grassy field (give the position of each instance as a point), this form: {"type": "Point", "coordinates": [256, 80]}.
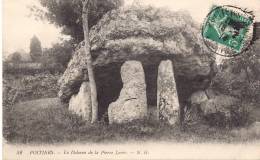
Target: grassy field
{"type": "Point", "coordinates": [48, 121]}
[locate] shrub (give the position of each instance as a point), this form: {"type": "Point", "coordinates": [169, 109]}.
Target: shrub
{"type": "Point", "coordinates": [59, 53]}
{"type": "Point", "coordinates": [15, 57]}
{"type": "Point", "coordinates": [41, 85]}
{"type": "Point", "coordinates": [35, 49]}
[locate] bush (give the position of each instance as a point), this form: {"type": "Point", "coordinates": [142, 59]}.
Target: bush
{"type": "Point", "coordinates": [42, 85]}
{"type": "Point", "coordinates": [15, 57]}
{"type": "Point", "coordinates": [58, 54]}
{"type": "Point", "coordinates": [239, 77]}
{"type": "Point", "coordinates": [35, 49]}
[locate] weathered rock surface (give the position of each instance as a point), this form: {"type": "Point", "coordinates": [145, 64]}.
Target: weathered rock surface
{"type": "Point", "coordinates": [132, 102]}
{"type": "Point", "coordinates": [221, 103]}
{"type": "Point", "coordinates": [255, 127]}
{"type": "Point", "coordinates": [81, 103]}
{"type": "Point", "coordinates": [73, 76]}
{"type": "Point", "coordinates": [233, 96]}
{"type": "Point", "coordinates": [148, 35]}
{"type": "Point", "coordinates": [237, 85]}
{"type": "Point", "coordinates": [167, 97]}
{"type": "Point", "coordinates": [198, 97]}
{"type": "Point", "coordinates": [193, 114]}
{"type": "Point", "coordinates": [207, 104]}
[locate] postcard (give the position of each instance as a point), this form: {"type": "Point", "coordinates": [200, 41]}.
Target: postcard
{"type": "Point", "coordinates": [131, 79]}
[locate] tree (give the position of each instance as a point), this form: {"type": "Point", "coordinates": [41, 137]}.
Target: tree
{"type": "Point", "coordinates": [67, 14]}
{"type": "Point", "coordinates": [15, 57]}
{"type": "Point", "coordinates": [60, 53]}
{"type": "Point", "coordinates": [35, 49]}
{"type": "Point", "coordinates": [92, 83]}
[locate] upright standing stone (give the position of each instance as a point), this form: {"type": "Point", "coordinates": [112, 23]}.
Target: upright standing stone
{"type": "Point", "coordinates": [81, 102]}
{"type": "Point", "coordinates": [132, 102]}
{"type": "Point", "coordinates": [167, 97]}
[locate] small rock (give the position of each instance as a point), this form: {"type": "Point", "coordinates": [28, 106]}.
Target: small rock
{"type": "Point", "coordinates": [132, 102]}
{"type": "Point", "coordinates": [210, 93]}
{"type": "Point", "coordinates": [221, 103]}
{"type": "Point", "coordinates": [255, 127]}
{"type": "Point", "coordinates": [198, 97]}
{"type": "Point", "coordinates": [81, 102]}
{"type": "Point", "coordinates": [167, 97]}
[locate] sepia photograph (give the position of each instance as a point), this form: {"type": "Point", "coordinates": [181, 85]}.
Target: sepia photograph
{"type": "Point", "coordinates": [130, 79]}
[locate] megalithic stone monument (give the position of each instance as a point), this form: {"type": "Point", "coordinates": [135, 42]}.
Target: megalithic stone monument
{"type": "Point", "coordinates": [167, 98]}
{"type": "Point", "coordinates": [81, 103]}
{"type": "Point", "coordinates": [132, 101]}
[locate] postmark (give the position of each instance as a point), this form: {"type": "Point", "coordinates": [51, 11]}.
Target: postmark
{"type": "Point", "coordinates": [228, 30]}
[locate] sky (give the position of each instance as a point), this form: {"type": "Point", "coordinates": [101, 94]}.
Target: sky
{"type": "Point", "coordinates": [19, 27]}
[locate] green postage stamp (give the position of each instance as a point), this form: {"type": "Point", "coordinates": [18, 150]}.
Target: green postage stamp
{"type": "Point", "coordinates": [228, 30]}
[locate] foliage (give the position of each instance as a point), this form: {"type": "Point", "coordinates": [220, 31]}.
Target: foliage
{"type": "Point", "coordinates": [35, 49]}
{"type": "Point", "coordinates": [67, 14]}
{"type": "Point", "coordinates": [59, 53]}
{"type": "Point", "coordinates": [15, 57]}
{"type": "Point", "coordinates": [239, 76]}
{"type": "Point", "coordinates": [7, 106]}
{"type": "Point", "coordinates": [54, 59]}
{"type": "Point", "coordinates": [19, 87]}
{"type": "Point", "coordinates": [33, 68]}
{"type": "Point", "coordinates": [41, 85]}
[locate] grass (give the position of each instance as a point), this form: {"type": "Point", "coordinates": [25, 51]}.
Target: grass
{"type": "Point", "coordinates": [34, 122]}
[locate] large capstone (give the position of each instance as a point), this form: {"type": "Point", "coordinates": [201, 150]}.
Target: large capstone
{"type": "Point", "coordinates": [81, 103]}
{"type": "Point", "coordinates": [132, 102]}
{"type": "Point", "coordinates": [167, 97]}
{"type": "Point", "coordinates": [148, 35]}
